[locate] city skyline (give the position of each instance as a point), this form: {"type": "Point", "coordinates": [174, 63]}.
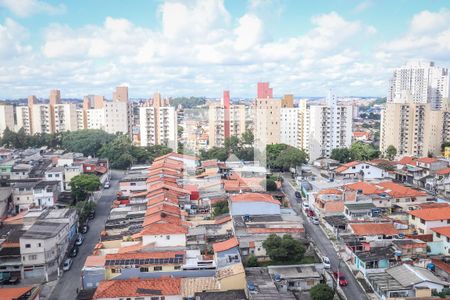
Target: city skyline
{"type": "Point", "coordinates": [303, 49]}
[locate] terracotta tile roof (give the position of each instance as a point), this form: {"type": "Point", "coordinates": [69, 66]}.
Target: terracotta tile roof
{"type": "Point", "coordinates": [11, 293]}
{"type": "Point", "coordinates": [167, 186]}
{"type": "Point", "coordinates": [427, 160]}
{"type": "Point", "coordinates": [163, 207]}
{"type": "Point", "coordinates": [143, 255]}
{"type": "Point", "coordinates": [431, 205]}
{"type": "Point", "coordinates": [156, 229]}
{"type": "Point", "coordinates": [330, 192]}
{"type": "Point", "coordinates": [158, 178]}
{"type": "Point", "coordinates": [207, 172]}
{"type": "Point", "coordinates": [441, 265]}
{"type": "Point", "coordinates": [222, 220]}
{"type": "Point", "coordinates": [136, 287]}
{"type": "Point", "coordinates": [364, 187]}
{"type": "Point", "coordinates": [254, 197]}
{"type": "Point", "coordinates": [443, 171]}
{"type": "Point", "coordinates": [442, 230]}
{"type": "Point", "coordinates": [399, 191]}
{"type": "Point", "coordinates": [164, 172]}
{"type": "Point", "coordinates": [190, 286]}
{"type": "Point", "coordinates": [153, 194]}
{"type": "Point", "coordinates": [131, 248]}
{"type": "Point", "coordinates": [209, 163]}
{"type": "Point", "coordinates": [236, 186]}
{"type": "Point", "coordinates": [334, 206]}
{"type": "Point", "coordinates": [230, 270]}
{"type": "Point", "coordinates": [365, 229]}
{"type": "Point", "coordinates": [95, 261]}
{"type": "Point", "coordinates": [161, 218]}
{"type": "Point", "coordinates": [408, 160]}
{"type": "Point", "coordinates": [346, 166]}
{"type": "Point", "coordinates": [138, 194]}
{"type": "Point", "coordinates": [225, 245]}
{"type": "Point", "coordinates": [360, 134]}
{"type": "Point", "coordinates": [178, 155]}
{"type": "Point", "coordinates": [275, 230]}
{"type": "Point", "coordinates": [432, 214]}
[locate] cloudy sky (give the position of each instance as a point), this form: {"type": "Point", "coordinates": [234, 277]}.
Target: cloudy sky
{"type": "Point", "coordinates": [200, 47]}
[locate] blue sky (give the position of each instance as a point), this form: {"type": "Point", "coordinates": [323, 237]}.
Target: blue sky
{"type": "Point", "coordinates": [201, 47]}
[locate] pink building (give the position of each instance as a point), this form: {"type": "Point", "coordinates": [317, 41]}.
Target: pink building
{"type": "Point", "coordinates": [264, 91]}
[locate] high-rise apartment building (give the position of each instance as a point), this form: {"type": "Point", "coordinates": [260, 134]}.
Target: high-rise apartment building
{"type": "Point", "coordinates": [121, 94]}
{"type": "Point", "coordinates": [267, 117]}
{"type": "Point", "coordinates": [65, 117]}
{"type": "Point", "coordinates": [226, 120]}
{"type": "Point", "coordinates": [412, 128]}
{"type": "Point", "coordinates": [303, 125]}
{"type": "Point", "coordinates": [158, 123]}
{"type": "Point", "coordinates": [421, 82]}
{"type": "Point", "coordinates": [6, 117]}
{"type": "Point", "coordinates": [289, 119]}
{"type": "Point", "coordinates": [41, 118]}
{"type": "Point", "coordinates": [330, 127]}
{"type": "Point", "coordinates": [23, 118]}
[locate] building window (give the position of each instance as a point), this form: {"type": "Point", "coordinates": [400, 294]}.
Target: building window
{"type": "Point", "coordinates": [167, 237]}
{"type": "Point", "coordinates": [157, 268]}
{"type": "Point", "coordinates": [438, 235]}
{"type": "Point", "coordinates": [143, 269]}
{"type": "Point", "coordinates": [27, 245]}
{"type": "Point", "coordinates": [39, 245]}
{"type": "Point", "coordinates": [32, 257]}
{"type": "Point", "coordinates": [177, 267]}
{"type": "Point", "coordinates": [413, 217]}
{"type": "Point", "coordinates": [422, 221]}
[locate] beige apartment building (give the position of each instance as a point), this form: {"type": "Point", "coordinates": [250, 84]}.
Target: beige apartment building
{"type": "Point", "coordinates": [65, 117]}
{"type": "Point", "coordinates": [158, 123]}
{"type": "Point", "coordinates": [41, 119]}
{"type": "Point", "coordinates": [6, 117]}
{"type": "Point", "coordinates": [240, 120]}
{"type": "Point", "coordinates": [413, 128]}
{"type": "Point", "coordinates": [23, 119]}
{"type": "Point", "coordinates": [267, 121]}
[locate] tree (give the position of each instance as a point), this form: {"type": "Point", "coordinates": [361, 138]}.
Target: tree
{"type": "Point", "coordinates": [252, 261]}
{"type": "Point", "coordinates": [269, 184]}
{"type": "Point", "coordinates": [282, 156]}
{"type": "Point", "coordinates": [118, 152]}
{"type": "Point", "coordinates": [391, 152]}
{"type": "Point", "coordinates": [220, 208]}
{"type": "Point", "coordinates": [248, 138]}
{"type": "Point", "coordinates": [157, 151]}
{"type": "Point", "coordinates": [218, 153]}
{"type": "Point", "coordinates": [81, 185]}
{"type": "Point", "coordinates": [285, 249]}
{"type": "Point", "coordinates": [363, 152]}
{"type": "Point", "coordinates": [83, 209]}
{"type": "Point", "coordinates": [86, 141]}
{"type": "Point", "coordinates": [341, 154]}
{"type": "Point", "coordinates": [321, 291]}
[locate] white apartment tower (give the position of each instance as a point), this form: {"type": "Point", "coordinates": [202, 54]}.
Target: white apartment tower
{"type": "Point", "coordinates": [289, 125]}
{"type": "Point", "coordinates": [330, 127]}
{"type": "Point", "coordinates": [65, 117]}
{"type": "Point", "coordinates": [422, 82]}
{"type": "Point", "coordinates": [6, 117]}
{"type": "Point", "coordinates": [23, 118]}
{"type": "Point", "coordinates": [158, 123]}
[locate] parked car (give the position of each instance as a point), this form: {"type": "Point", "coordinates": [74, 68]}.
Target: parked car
{"type": "Point", "coordinates": [297, 194]}
{"type": "Point", "coordinates": [315, 220]}
{"type": "Point", "coordinates": [84, 228]}
{"type": "Point", "coordinates": [74, 251]}
{"type": "Point", "coordinates": [91, 215]}
{"type": "Point", "coordinates": [310, 213]}
{"type": "Point", "coordinates": [80, 240]}
{"type": "Point", "coordinates": [106, 185]}
{"type": "Point", "coordinates": [326, 262]}
{"type": "Point", "coordinates": [305, 206]}
{"type": "Point", "coordinates": [340, 278]}
{"type": "Point", "coordinates": [67, 264]}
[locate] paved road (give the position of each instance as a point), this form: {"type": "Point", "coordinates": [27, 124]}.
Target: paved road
{"type": "Point", "coordinates": [71, 280]}
{"type": "Point", "coordinates": [353, 291]}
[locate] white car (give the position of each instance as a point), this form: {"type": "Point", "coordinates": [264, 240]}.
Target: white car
{"type": "Point", "coordinates": [80, 240]}
{"type": "Point", "coordinates": [305, 206]}
{"type": "Point", "coordinates": [326, 262]}
{"type": "Point", "coordinates": [67, 264]}
{"type": "Point", "coordinates": [107, 185]}
{"type": "Point", "coordinates": [315, 220]}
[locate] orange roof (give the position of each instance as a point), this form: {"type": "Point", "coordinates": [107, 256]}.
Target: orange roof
{"type": "Point", "coordinates": [222, 220]}
{"type": "Point", "coordinates": [143, 255]}
{"type": "Point", "coordinates": [161, 218]}
{"type": "Point", "coordinates": [360, 133]}
{"type": "Point", "coordinates": [373, 228]}
{"type": "Point", "coordinates": [366, 188]}
{"type": "Point", "coordinates": [138, 288]}
{"type": "Point", "coordinates": [275, 230]}
{"type": "Point", "coordinates": [132, 248]}
{"type": "Point", "coordinates": [399, 191]}
{"type": "Point", "coordinates": [427, 160]}
{"type": "Point", "coordinates": [178, 155]}
{"type": "Point", "coordinates": [94, 261]}
{"type": "Point", "coordinates": [441, 265]}
{"type": "Point", "coordinates": [432, 205]}
{"type": "Point", "coordinates": [443, 171]}
{"type": "Point", "coordinates": [235, 186]}
{"type": "Point", "coordinates": [163, 207]}
{"type": "Point", "coordinates": [157, 228]}
{"type": "Point", "coordinates": [254, 197]}
{"type": "Point", "coordinates": [11, 293]}
{"type": "Point", "coordinates": [157, 178]}
{"type": "Point", "coordinates": [330, 192]}
{"type": "Point", "coordinates": [138, 194]}
{"type": "Point", "coordinates": [408, 160]}
{"type": "Point", "coordinates": [346, 166]}
{"type": "Point", "coordinates": [164, 172]}
{"type": "Point", "coordinates": [167, 186]}
{"type": "Point", "coordinates": [209, 163]}
{"type": "Point", "coordinates": [334, 206]}
{"type": "Point", "coordinates": [442, 230]}
{"type": "Point", "coordinates": [225, 245]}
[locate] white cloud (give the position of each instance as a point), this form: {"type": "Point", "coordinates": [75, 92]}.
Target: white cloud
{"type": "Point", "coordinates": [12, 36]}
{"type": "Point", "coordinates": [430, 22]}
{"type": "Point", "coordinates": [25, 8]}
{"type": "Point", "coordinates": [249, 32]}
{"type": "Point", "coordinates": [363, 6]}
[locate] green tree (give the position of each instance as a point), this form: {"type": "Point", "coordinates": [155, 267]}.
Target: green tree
{"type": "Point", "coordinates": [220, 208]}
{"type": "Point", "coordinates": [269, 184]}
{"type": "Point", "coordinates": [118, 152]}
{"type": "Point", "coordinates": [83, 209]}
{"type": "Point", "coordinates": [252, 261]}
{"type": "Point", "coordinates": [248, 138]}
{"type": "Point", "coordinates": [157, 151]}
{"type": "Point", "coordinates": [362, 151]}
{"type": "Point", "coordinates": [284, 249]}
{"type": "Point", "coordinates": [218, 153]}
{"type": "Point", "coordinates": [86, 141]}
{"type": "Point", "coordinates": [321, 291]}
{"type": "Point", "coordinates": [391, 152]}
{"type": "Point", "coordinates": [341, 154]}
{"type": "Point", "coordinates": [282, 156]}
{"type": "Point", "coordinates": [81, 185]}
{"type": "Point", "coordinates": [18, 140]}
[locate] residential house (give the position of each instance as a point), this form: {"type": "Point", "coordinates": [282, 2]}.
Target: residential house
{"type": "Point", "coordinates": [10, 258]}
{"type": "Point", "coordinates": [441, 240]}
{"type": "Point", "coordinates": [23, 197]}
{"type": "Point", "coordinates": [254, 204]}
{"type": "Point", "coordinates": [375, 260]}
{"type": "Point", "coordinates": [20, 171]}
{"type": "Point", "coordinates": [69, 173]}
{"type": "Point", "coordinates": [133, 183]}
{"type": "Point", "coordinates": [373, 231]}
{"type": "Point", "coordinates": [298, 277]}
{"type": "Point", "coordinates": [27, 292]}
{"type": "Point", "coordinates": [56, 174]}
{"type": "Point", "coordinates": [361, 136]}
{"type": "Point", "coordinates": [46, 193]}
{"type": "Point", "coordinates": [93, 271]}
{"type": "Point", "coordinates": [357, 169]}
{"type": "Point", "coordinates": [424, 220]}
{"type": "Point", "coordinates": [360, 210]}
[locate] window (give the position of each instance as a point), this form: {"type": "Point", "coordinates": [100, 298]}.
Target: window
{"type": "Point", "coordinates": [413, 217]}
{"type": "Point", "coordinates": [143, 269]}
{"type": "Point", "coordinates": [32, 257]}
{"type": "Point", "coordinates": [27, 245]}
{"type": "Point", "coordinates": [116, 270]}
{"type": "Point", "coordinates": [167, 237]}
{"type": "Point", "coordinates": [438, 235]}
{"type": "Point", "coordinates": [422, 221]}
{"type": "Point", "coordinates": [50, 175]}
{"type": "Point", "coordinates": [39, 245]}
{"type": "Point", "coordinates": [157, 268]}
{"type": "Point", "coordinates": [177, 267]}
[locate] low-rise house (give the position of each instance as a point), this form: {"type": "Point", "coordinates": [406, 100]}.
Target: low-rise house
{"type": "Point", "coordinates": [20, 293]}
{"type": "Point", "coordinates": [56, 174]}
{"type": "Point", "coordinates": [254, 204]}
{"type": "Point", "coordinates": [361, 136]}
{"type": "Point", "coordinates": [93, 271]}
{"type": "Point", "coordinates": [410, 248]}
{"type": "Point", "coordinates": [357, 169]}
{"type": "Point", "coordinates": [376, 260]}
{"type": "Point", "coordinates": [43, 247]}
{"type": "Point", "coordinates": [405, 281]}
{"type": "Point", "coordinates": [69, 173]}
{"type": "Point", "coordinates": [68, 216]}
{"type": "Point", "coordinates": [20, 171]}
{"type": "Point", "coordinates": [23, 197]}
{"type": "Point", "coordinates": [373, 231]}
{"type": "Point", "coordinates": [226, 252]}
{"type": "Point", "coordinates": [164, 235]}
{"type": "Point", "coordinates": [45, 193]}
{"type": "Point", "coordinates": [441, 241]}
{"type": "Point", "coordinates": [5, 171]}
{"type": "Point", "coordinates": [10, 258]}
{"type": "Point", "coordinates": [423, 220]}
{"type": "Point", "coordinates": [360, 210]}
{"type": "Point", "coordinates": [431, 165]}
{"type": "Point", "coordinates": [297, 277]}
{"type": "Point", "coordinates": [133, 183]}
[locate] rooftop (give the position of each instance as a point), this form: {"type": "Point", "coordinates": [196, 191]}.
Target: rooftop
{"type": "Point", "coordinates": [360, 206]}
{"type": "Point", "coordinates": [432, 214]}
{"type": "Point", "coordinates": [225, 245]}
{"type": "Point", "coordinates": [138, 288]}
{"type": "Point", "coordinates": [43, 230]}
{"type": "Point", "coordinates": [408, 275]}
{"type": "Point", "coordinates": [363, 229]}
{"type": "Point", "coordinates": [157, 229]}
{"type": "Point", "coordinates": [442, 230]}
{"type": "Point", "coordinates": [12, 293]}
{"type": "Point", "coordinates": [376, 253]}
{"type": "Point", "coordinates": [254, 197]}
{"type": "Point", "coordinates": [336, 221]}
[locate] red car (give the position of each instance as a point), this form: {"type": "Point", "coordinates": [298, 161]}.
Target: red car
{"type": "Point", "coordinates": [311, 213]}
{"type": "Point", "coordinates": [342, 281]}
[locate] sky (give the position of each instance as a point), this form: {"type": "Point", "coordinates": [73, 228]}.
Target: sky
{"type": "Point", "coordinates": [202, 47]}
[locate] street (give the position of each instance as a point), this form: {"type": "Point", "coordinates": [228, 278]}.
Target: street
{"type": "Point", "coordinates": [316, 235]}
{"type": "Point", "coordinates": [71, 280]}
